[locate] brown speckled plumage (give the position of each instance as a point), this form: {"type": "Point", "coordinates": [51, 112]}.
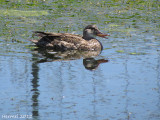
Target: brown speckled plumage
{"type": "Point", "coordinates": [67, 41]}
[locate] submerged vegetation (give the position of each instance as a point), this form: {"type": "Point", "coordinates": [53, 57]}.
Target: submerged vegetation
{"type": "Point", "coordinates": [99, 12]}
{"type": "Point", "coordinates": [121, 18]}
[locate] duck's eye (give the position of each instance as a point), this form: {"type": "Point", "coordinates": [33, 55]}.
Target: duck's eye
{"type": "Point", "coordinates": [92, 28]}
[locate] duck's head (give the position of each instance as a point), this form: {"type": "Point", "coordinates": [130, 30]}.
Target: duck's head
{"type": "Point", "coordinates": [91, 31]}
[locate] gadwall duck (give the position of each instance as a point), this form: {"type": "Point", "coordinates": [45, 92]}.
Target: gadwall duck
{"type": "Point", "coordinates": [67, 41]}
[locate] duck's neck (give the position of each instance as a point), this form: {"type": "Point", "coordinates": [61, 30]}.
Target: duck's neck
{"type": "Point", "coordinates": [87, 36]}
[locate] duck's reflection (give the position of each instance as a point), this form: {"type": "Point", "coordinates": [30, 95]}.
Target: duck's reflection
{"type": "Point", "coordinates": [89, 57]}
{"type": "Point", "coordinates": [92, 64]}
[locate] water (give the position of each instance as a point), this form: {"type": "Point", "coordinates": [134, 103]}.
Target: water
{"type": "Point", "coordinates": [42, 85]}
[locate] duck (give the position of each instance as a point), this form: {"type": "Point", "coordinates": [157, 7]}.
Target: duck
{"type": "Point", "coordinates": [68, 41]}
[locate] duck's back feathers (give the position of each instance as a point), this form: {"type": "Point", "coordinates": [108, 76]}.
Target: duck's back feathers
{"type": "Point", "coordinates": [42, 34]}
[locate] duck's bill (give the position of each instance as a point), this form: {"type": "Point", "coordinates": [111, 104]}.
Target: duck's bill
{"type": "Point", "coordinates": [102, 35]}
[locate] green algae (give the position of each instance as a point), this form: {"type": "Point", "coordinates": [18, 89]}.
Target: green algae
{"type": "Point", "coordinates": [20, 13]}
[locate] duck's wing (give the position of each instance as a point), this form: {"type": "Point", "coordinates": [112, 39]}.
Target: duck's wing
{"type": "Point", "coordinates": [59, 40]}
{"type": "Point", "coordinates": [42, 34]}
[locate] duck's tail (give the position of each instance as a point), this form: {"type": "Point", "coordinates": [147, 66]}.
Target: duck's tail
{"type": "Point", "coordinates": [42, 34]}
{"type": "Point", "coordinates": [34, 41]}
